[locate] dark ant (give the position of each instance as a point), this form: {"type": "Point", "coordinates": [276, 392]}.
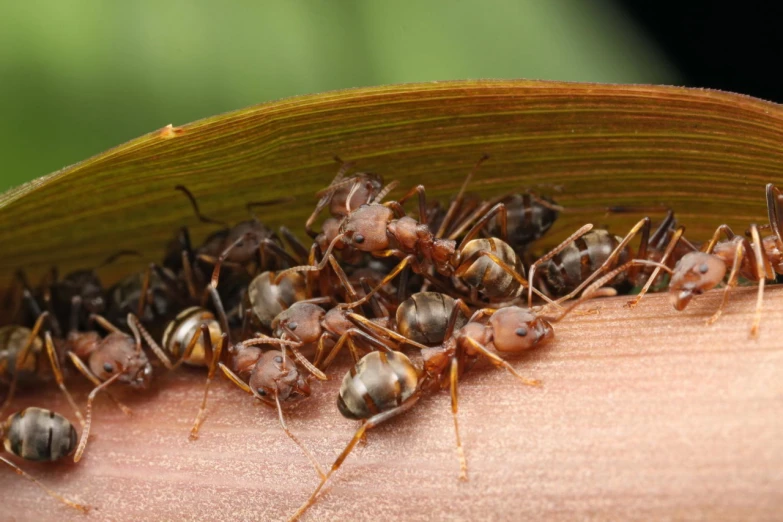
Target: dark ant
{"type": "Point", "coordinates": [55, 295]}
{"type": "Point", "coordinates": [36, 434]}
{"type": "Point", "coordinates": [570, 270]}
{"type": "Point", "coordinates": [385, 383]}
{"type": "Point", "coordinates": [248, 237]}
{"type": "Point", "coordinates": [756, 259]}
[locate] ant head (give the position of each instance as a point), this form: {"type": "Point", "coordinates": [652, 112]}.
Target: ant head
{"type": "Point", "coordinates": [695, 272]}
{"type": "Point", "coordinates": [516, 329]}
{"type": "Point", "coordinates": [364, 188]}
{"type": "Point", "coordinates": [302, 319]}
{"type": "Point", "coordinates": [365, 228]}
{"type": "Point", "coordinates": [117, 353]}
{"type": "Point", "coordinates": [275, 375]}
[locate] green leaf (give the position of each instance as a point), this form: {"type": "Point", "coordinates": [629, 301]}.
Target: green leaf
{"type": "Point", "coordinates": [706, 154]}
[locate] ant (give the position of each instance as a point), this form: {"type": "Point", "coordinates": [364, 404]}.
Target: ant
{"type": "Point", "coordinates": [385, 231]}
{"type": "Point", "coordinates": [385, 383]}
{"type": "Point", "coordinates": [571, 269]}
{"type": "Point", "coordinates": [756, 259]}
{"type": "Point", "coordinates": [115, 357]}
{"type": "Point", "coordinates": [36, 434]}
{"type": "Point", "coordinates": [342, 195]}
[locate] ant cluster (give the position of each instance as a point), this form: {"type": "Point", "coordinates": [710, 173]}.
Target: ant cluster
{"type": "Point", "coordinates": [416, 298]}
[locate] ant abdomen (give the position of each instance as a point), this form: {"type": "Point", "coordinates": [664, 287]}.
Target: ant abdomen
{"type": "Point", "coordinates": [379, 382]}
{"type": "Point", "coordinates": [486, 275]}
{"type": "Point", "coordinates": [39, 435]}
{"type": "Point", "coordinates": [424, 316]}
{"type": "Point", "coordinates": [529, 218]}
{"type": "Point", "coordinates": [180, 332]}
{"type": "Point", "coordinates": [578, 260]}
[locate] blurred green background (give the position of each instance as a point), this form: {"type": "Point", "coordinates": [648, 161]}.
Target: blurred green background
{"type": "Point", "coordinates": [80, 76]}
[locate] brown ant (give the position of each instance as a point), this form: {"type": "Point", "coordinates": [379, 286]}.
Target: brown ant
{"type": "Point", "coordinates": [384, 384]}
{"type": "Point", "coordinates": [115, 357]}
{"type": "Point", "coordinates": [344, 194]}
{"type": "Point", "coordinates": [756, 259]}
{"type": "Point", "coordinates": [36, 434]}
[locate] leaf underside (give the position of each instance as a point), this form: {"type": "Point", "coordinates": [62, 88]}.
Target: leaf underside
{"type": "Point", "coordinates": [706, 154]}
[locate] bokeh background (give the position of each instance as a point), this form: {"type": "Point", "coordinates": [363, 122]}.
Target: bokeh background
{"type": "Point", "coordinates": [81, 76]}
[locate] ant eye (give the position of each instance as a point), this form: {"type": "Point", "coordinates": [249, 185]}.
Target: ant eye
{"type": "Point", "coordinates": [358, 238]}
{"type": "Point", "coordinates": [292, 325]}
{"type": "Point", "coordinates": [108, 368]}
{"type": "Point", "coordinates": [521, 332]}
{"type": "Point", "coordinates": [261, 392]}
{"type": "Point", "coordinates": [279, 360]}
{"type": "Point", "coordinates": [703, 268]}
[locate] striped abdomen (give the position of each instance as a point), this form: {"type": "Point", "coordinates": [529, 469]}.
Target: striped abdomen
{"type": "Point", "coordinates": [181, 330]}
{"type": "Point", "coordinates": [424, 316]}
{"type": "Point", "coordinates": [379, 382]}
{"type": "Point", "coordinates": [38, 434]}
{"type": "Point", "coordinates": [567, 269]}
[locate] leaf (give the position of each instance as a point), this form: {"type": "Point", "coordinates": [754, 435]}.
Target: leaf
{"type": "Point", "coordinates": [706, 154]}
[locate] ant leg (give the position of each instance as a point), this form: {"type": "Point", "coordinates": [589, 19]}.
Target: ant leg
{"type": "Point", "coordinates": [196, 210]}
{"type": "Point", "coordinates": [58, 376]}
{"type": "Point", "coordinates": [762, 273]}
{"type": "Point", "coordinates": [459, 306]}
{"type": "Point", "coordinates": [651, 280]}
{"type": "Point", "coordinates": [326, 195]}
{"type": "Point", "coordinates": [347, 338]}
{"type": "Point", "coordinates": [307, 452]}
{"type": "Point", "coordinates": [138, 329]}
{"type": "Point", "coordinates": [644, 226]}
{"type": "Point", "coordinates": [725, 229]}
{"type": "Point", "coordinates": [383, 192]}
{"type": "Point", "coordinates": [372, 422]}
{"type": "Point", "coordinates": [455, 204]}
{"type": "Point", "coordinates": [20, 471]}
{"type": "Point", "coordinates": [105, 323]}
{"type": "Point", "coordinates": [390, 276]}
{"type": "Point", "coordinates": [219, 310]}
{"type": "Point", "coordinates": [597, 290]}
{"type": "Point", "coordinates": [311, 268]}
{"type": "Point", "coordinates": [500, 211]}
{"type": "Point", "coordinates": [318, 374]}
{"type": "Point", "coordinates": [297, 246]}
{"type": "Point", "coordinates": [739, 254]}
{"type": "Point", "coordinates": [145, 287]}
{"type": "Point", "coordinates": [497, 361]}
{"type": "Point", "coordinates": [187, 268]}
{"type": "Point", "coordinates": [211, 375]}
{"type": "Point", "coordinates": [234, 378]}
{"type": "Point", "coordinates": [422, 201]}
{"type": "Point", "coordinates": [88, 421]}
{"type": "Point", "coordinates": [21, 357]}
{"type": "Point", "coordinates": [84, 370]}
{"type": "Point", "coordinates": [453, 377]}
{"type": "Point", "coordinates": [549, 255]}
{"type": "Point", "coordinates": [369, 325]}
{"type": "Point", "coordinates": [338, 270]}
